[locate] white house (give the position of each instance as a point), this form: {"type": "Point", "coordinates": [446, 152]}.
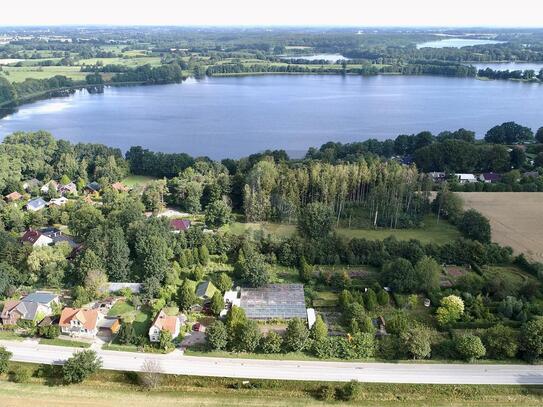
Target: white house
{"type": "Point", "coordinates": [36, 239]}
{"type": "Point", "coordinates": [58, 201]}
{"type": "Point", "coordinates": [165, 322]}
{"type": "Point", "coordinates": [466, 178]}
{"type": "Point", "coordinates": [35, 205]}
{"type": "Point", "coordinates": [80, 322]}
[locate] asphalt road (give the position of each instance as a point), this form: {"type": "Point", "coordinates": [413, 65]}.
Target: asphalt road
{"type": "Point", "coordinates": [176, 363]}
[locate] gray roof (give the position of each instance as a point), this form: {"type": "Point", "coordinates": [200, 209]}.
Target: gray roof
{"type": "Point", "coordinates": [40, 297]}
{"type": "Point", "coordinates": [36, 203]}
{"type": "Point", "coordinates": [28, 310]}
{"type": "Point", "coordinates": [281, 301]}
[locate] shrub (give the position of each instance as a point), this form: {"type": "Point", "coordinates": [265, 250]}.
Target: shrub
{"type": "Point", "coordinates": [271, 343]}
{"type": "Point", "coordinates": [349, 391]}
{"type": "Point", "coordinates": [80, 366]}
{"type": "Point", "coordinates": [326, 393]}
{"type": "Point", "coordinates": [470, 347]}
{"type": "Point", "coordinates": [21, 374]}
{"type": "Point", "coordinates": [5, 356]}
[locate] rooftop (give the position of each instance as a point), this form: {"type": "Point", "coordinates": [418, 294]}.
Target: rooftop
{"type": "Point", "coordinates": [41, 297]}
{"type": "Point", "coordinates": [281, 301]}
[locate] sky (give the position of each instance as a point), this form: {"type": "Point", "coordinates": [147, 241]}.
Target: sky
{"type": "Point", "coordinates": [467, 13]}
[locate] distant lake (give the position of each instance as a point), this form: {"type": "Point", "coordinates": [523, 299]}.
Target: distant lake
{"type": "Point", "coordinates": [316, 57]}
{"type": "Point", "coordinates": [510, 66]}
{"type": "Point", "coordinates": [456, 43]}
{"type": "Point", "coordinates": [237, 116]}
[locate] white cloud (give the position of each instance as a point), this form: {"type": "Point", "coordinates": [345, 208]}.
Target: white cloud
{"type": "Point", "coordinates": [277, 12]}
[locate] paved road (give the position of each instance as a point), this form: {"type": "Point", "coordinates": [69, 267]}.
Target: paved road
{"type": "Point", "coordinates": [176, 363]}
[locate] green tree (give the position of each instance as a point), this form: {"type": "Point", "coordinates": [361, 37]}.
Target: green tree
{"type": "Point", "coordinates": [428, 272]}
{"type": "Point", "coordinates": [366, 325]}
{"type": "Point", "coordinates": [234, 319]}
{"type": "Point", "coordinates": [165, 340]}
{"type": "Point", "coordinates": [501, 342]}
{"type": "Point", "coordinates": [217, 303]}
{"type": "Point", "coordinates": [531, 339]}
{"type": "Point", "coordinates": [217, 336]}
{"type": "Point", "coordinates": [315, 221]}
{"type": "Point", "coordinates": [469, 347]}
{"type": "Point", "coordinates": [118, 259]}
{"type": "Point", "coordinates": [5, 356]}
{"type": "Point", "coordinates": [296, 336]}
{"type": "Point", "coordinates": [450, 310]}
{"type": "Point", "coordinates": [319, 330]}
{"type": "Point", "coordinates": [217, 214]}
{"type": "Point", "coordinates": [400, 276]}
{"type": "Point", "coordinates": [383, 297]}
{"type": "Point", "coordinates": [223, 282]}
{"type": "Point", "coordinates": [126, 335]}
{"type": "Point", "coordinates": [305, 271]}
{"type": "Point", "coordinates": [363, 345]}
{"type": "Point", "coordinates": [80, 366]}
{"type": "Point", "coordinates": [271, 343]}
{"type": "Point", "coordinates": [539, 135]}
{"type": "Point", "coordinates": [252, 268]}
{"type": "Point", "coordinates": [370, 299]}
{"type": "Point", "coordinates": [417, 341]}
{"type": "Point", "coordinates": [186, 296]}
{"type": "Point", "coordinates": [83, 219]}
{"type": "Point", "coordinates": [247, 336]}
{"type": "Point", "coordinates": [203, 254]}
{"type": "Point", "coordinates": [475, 226]}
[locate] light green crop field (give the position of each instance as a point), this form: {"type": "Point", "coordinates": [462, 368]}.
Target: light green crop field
{"type": "Point", "coordinates": [16, 74]}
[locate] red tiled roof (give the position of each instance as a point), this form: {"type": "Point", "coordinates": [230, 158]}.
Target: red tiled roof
{"type": "Point", "coordinates": [14, 196]}
{"type": "Point", "coordinates": [163, 321]}
{"type": "Point", "coordinates": [180, 224]}
{"type": "Point", "coordinates": [87, 317]}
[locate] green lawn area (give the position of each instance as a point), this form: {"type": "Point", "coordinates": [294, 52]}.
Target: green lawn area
{"type": "Point", "coordinates": [10, 335]}
{"type": "Point", "coordinates": [325, 299]}
{"type": "Point", "coordinates": [137, 180]}
{"type": "Point", "coordinates": [431, 232]}
{"type": "Point", "coordinates": [141, 319]}
{"type": "Point", "coordinates": [14, 74]}
{"type": "Point", "coordinates": [64, 342]}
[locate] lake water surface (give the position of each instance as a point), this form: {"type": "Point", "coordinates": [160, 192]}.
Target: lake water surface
{"type": "Point", "coordinates": [510, 66]}
{"type": "Point", "coordinates": [456, 43]}
{"type": "Point", "coordinates": [237, 116]}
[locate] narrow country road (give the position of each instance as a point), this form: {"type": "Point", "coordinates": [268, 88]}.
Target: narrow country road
{"type": "Point", "coordinates": [176, 363]}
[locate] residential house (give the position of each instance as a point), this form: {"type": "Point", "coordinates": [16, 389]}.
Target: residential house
{"type": "Point", "coordinates": [13, 197]}
{"type": "Point", "coordinates": [109, 325]}
{"type": "Point", "coordinates": [57, 236]}
{"type": "Point", "coordinates": [105, 305]}
{"type": "Point", "coordinates": [120, 187]}
{"type": "Point", "coordinates": [35, 238]}
{"type": "Point", "coordinates": [58, 201]}
{"type": "Point", "coordinates": [490, 177]}
{"type": "Point", "coordinates": [165, 322]}
{"type": "Point", "coordinates": [79, 322]}
{"type": "Point", "coordinates": [437, 177]}
{"type": "Point", "coordinates": [33, 307]}
{"type": "Point", "coordinates": [466, 178]}
{"type": "Point", "coordinates": [36, 204]}
{"type": "Point", "coordinates": [93, 188]}
{"type": "Point", "coordinates": [30, 184]}
{"type": "Point", "coordinates": [205, 290]}
{"type": "Point", "coordinates": [51, 185]}
{"type": "Point", "coordinates": [68, 189]}
{"type": "Point", "coordinates": [178, 225]}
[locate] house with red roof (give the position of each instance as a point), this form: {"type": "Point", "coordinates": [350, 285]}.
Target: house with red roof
{"type": "Point", "coordinates": [179, 225]}
{"type": "Point", "coordinates": [35, 238]}
{"type": "Point", "coordinates": [165, 322]}
{"type": "Point", "coordinates": [13, 197]}
{"type": "Point", "coordinates": [79, 322]}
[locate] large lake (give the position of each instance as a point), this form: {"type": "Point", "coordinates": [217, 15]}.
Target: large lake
{"type": "Point", "coordinates": [456, 43]}
{"type": "Point", "coordinates": [236, 116]}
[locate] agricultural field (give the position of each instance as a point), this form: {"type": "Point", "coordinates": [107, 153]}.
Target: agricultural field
{"type": "Point", "coordinates": [516, 219]}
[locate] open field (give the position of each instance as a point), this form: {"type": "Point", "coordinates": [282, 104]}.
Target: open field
{"type": "Point", "coordinates": [114, 388]}
{"type": "Point", "coordinates": [431, 232]}
{"type": "Point", "coordinates": [516, 218]}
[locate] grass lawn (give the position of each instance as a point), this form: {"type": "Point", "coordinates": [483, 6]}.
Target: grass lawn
{"type": "Point", "coordinates": [431, 232]}
{"type": "Point", "coordinates": [141, 319]}
{"type": "Point", "coordinates": [64, 342]}
{"type": "Point", "coordinates": [137, 180]}
{"type": "Point", "coordinates": [325, 299]}
{"type": "Point", "coordinates": [20, 74]}
{"type": "Point", "coordinates": [109, 388]}
{"type": "Point", "coordinates": [10, 335]}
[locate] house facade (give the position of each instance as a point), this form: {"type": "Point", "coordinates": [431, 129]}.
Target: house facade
{"type": "Point", "coordinates": [79, 322]}
{"type": "Point", "coordinates": [165, 322]}
{"type": "Point", "coordinates": [33, 307]}
{"type": "Point", "coordinates": [35, 238]}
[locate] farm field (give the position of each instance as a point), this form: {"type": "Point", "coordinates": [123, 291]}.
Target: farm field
{"type": "Point", "coordinates": [516, 218]}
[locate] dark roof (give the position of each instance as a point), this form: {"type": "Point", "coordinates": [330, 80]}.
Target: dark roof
{"type": "Point", "coordinates": [40, 297]}
{"type": "Point", "coordinates": [180, 224]}
{"type": "Point", "coordinates": [282, 301]}
{"type": "Point", "coordinates": [491, 176]}
{"type": "Point", "coordinates": [49, 320]}
{"type": "Point", "coordinates": [50, 231]}
{"type": "Point", "coordinates": [95, 186]}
